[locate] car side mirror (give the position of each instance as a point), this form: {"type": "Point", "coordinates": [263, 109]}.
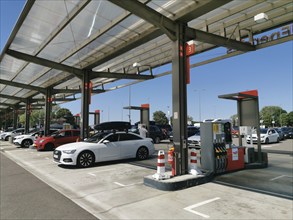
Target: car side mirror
{"type": "Point", "coordinates": [106, 142]}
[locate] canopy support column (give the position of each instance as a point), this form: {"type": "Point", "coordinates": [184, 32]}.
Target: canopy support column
{"type": "Point", "coordinates": [27, 116]}
{"type": "Point", "coordinates": [85, 102]}
{"type": "Point", "coordinates": [48, 110]}
{"type": "Point", "coordinates": [180, 101]}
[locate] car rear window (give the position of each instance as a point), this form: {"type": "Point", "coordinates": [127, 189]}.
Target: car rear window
{"type": "Point", "coordinates": [128, 137]}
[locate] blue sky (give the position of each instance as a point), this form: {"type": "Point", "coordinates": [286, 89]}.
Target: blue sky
{"type": "Point", "coordinates": [268, 70]}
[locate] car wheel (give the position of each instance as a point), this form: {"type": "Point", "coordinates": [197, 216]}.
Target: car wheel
{"type": "Point", "coordinates": [85, 159]}
{"type": "Point", "coordinates": [157, 140]}
{"type": "Point", "coordinates": [142, 153]}
{"type": "Point", "coordinates": [278, 140]}
{"type": "Point", "coordinates": [49, 147]}
{"type": "Point", "coordinates": [6, 138]}
{"type": "Point", "coordinates": [267, 141]}
{"type": "Point", "coordinates": [26, 143]}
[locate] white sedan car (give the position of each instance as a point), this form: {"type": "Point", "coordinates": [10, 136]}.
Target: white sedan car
{"type": "Point", "coordinates": [194, 141]}
{"type": "Point", "coordinates": [104, 147]}
{"type": "Point", "coordinates": [267, 135]}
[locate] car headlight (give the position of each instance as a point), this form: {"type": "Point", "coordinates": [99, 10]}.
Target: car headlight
{"type": "Point", "coordinates": [69, 151]}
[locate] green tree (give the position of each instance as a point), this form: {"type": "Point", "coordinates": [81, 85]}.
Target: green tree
{"type": "Point", "coordinates": [160, 118]}
{"type": "Point", "coordinates": [63, 115]}
{"type": "Point", "coordinates": [271, 113]}
{"type": "Point", "coordinates": [36, 118]}
{"type": "Point", "coordinates": [284, 119]}
{"type": "Point", "coordinates": [290, 119]}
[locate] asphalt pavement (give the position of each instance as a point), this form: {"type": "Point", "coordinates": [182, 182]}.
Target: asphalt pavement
{"type": "Point", "coordinates": [115, 190]}
{"type": "Point", "coordinates": [23, 196]}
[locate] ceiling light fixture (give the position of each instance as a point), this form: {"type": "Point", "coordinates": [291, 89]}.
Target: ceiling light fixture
{"type": "Point", "coordinates": [261, 17]}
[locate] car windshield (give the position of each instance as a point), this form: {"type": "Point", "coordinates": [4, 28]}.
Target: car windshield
{"type": "Point", "coordinates": [97, 137]}
{"type": "Point", "coordinates": [263, 131]}
{"type": "Point", "coordinates": [55, 134]}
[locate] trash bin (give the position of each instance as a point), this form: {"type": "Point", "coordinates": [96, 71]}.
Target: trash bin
{"type": "Point", "coordinates": [10, 140]}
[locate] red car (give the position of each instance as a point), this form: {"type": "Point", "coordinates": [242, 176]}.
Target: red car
{"type": "Point", "coordinates": [56, 139]}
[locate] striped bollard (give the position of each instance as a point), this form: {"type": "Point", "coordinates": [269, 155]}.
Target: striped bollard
{"type": "Point", "coordinates": [193, 163]}
{"type": "Point", "coordinates": [160, 175]}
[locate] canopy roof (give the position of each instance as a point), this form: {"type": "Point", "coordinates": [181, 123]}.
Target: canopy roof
{"type": "Point", "coordinates": [55, 42]}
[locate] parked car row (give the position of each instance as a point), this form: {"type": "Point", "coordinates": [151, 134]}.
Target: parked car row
{"type": "Point", "coordinates": [26, 140]}
{"type": "Point", "coordinates": [272, 135]}
{"type": "Point", "coordinates": [106, 145]}
{"type": "Point", "coordinates": [5, 135]}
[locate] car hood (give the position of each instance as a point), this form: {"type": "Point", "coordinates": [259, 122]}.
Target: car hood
{"type": "Point", "coordinates": [75, 145]}
{"type": "Point", "coordinates": [194, 138]}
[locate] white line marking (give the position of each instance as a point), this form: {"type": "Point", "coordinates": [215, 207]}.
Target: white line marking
{"type": "Point", "coordinates": [279, 177]}
{"type": "Point", "coordinates": [100, 171]}
{"type": "Point", "coordinates": [2, 148]}
{"type": "Point", "coordinates": [189, 208]}
{"type": "Point", "coordinates": [120, 184]}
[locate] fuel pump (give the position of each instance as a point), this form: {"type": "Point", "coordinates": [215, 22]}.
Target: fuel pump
{"type": "Point", "coordinates": [213, 146]}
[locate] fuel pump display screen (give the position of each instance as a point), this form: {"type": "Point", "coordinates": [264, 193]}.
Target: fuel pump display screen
{"type": "Point", "coordinates": [227, 132]}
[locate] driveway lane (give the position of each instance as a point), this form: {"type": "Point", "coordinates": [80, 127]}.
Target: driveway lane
{"type": "Point", "coordinates": [23, 196]}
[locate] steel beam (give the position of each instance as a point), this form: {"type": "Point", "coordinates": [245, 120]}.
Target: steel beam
{"type": "Point", "coordinates": [22, 17]}
{"type": "Point", "coordinates": [22, 85]}
{"type": "Point", "coordinates": [194, 34]}
{"type": "Point", "coordinates": [110, 75]}
{"type": "Point", "coordinates": [44, 62]}
{"type": "Point", "coordinates": [13, 97]}
{"type": "Point", "coordinates": [145, 37]}
{"type": "Point", "coordinates": [134, 42]}
{"type": "Point", "coordinates": [77, 72]}
{"type": "Point", "coordinates": [148, 14]}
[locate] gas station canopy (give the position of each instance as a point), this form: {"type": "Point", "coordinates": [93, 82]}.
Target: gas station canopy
{"type": "Point", "coordinates": [54, 43]}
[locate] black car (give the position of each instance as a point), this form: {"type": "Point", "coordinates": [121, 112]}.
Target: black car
{"type": "Point", "coordinates": [192, 130]}
{"type": "Point", "coordinates": [281, 134]}
{"type": "Point", "coordinates": [167, 130]}
{"type": "Point", "coordinates": [113, 125]}
{"type": "Point", "coordinates": [155, 133]}
{"type": "Point", "coordinates": [288, 132]}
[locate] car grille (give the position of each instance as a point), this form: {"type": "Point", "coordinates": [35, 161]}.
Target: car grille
{"type": "Point", "coordinates": [57, 155]}
{"type": "Point", "coordinates": [193, 142]}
